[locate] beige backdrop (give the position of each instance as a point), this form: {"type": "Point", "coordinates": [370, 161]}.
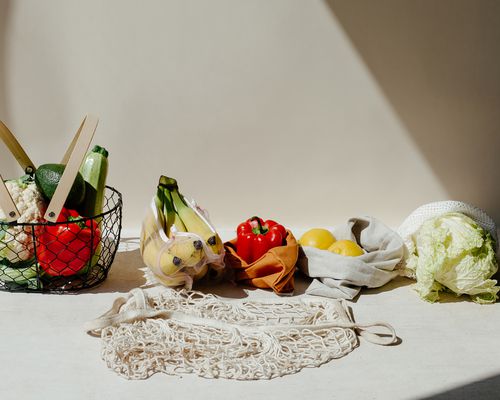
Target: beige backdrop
{"type": "Point", "coordinates": [305, 111]}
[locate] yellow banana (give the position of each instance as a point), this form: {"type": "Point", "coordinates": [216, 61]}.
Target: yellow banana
{"type": "Point", "coordinates": [188, 249]}
{"type": "Point", "coordinates": [159, 201]}
{"type": "Point", "coordinates": [168, 264]}
{"type": "Point", "coordinates": [149, 228]}
{"type": "Point", "coordinates": [178, 264]}
{"type": "Point", "coordinates": [185, 251]}
{"type": "Point", "coordinates": [201, 273]}
{"type": "Point", "coordinates": [161, 264]}
{"type": "Point", "coordinates": [177, 279]}
{"type": "Point", "coordinates": [195, 222]}
{"type": "Point", "coordinates": [172, 217]}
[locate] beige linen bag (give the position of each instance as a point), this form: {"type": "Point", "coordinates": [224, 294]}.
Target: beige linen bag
{"type": "Point", "coordinates": [343, 277]}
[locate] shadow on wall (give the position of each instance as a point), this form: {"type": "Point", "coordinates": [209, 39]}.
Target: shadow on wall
{"type": "Point", "coordinates": [438, 65]}
{"type": "Point", "coordinates": [486, 389]}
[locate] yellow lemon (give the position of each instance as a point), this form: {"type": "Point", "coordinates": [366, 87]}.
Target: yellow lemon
{"type": "Point", "coordinates": [346, 248]}
{"type": "Point", "coordinates": [319, 238]}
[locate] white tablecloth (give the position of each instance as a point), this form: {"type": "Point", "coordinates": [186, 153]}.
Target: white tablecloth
{"type": "Point", "coordinates": [44, 353]}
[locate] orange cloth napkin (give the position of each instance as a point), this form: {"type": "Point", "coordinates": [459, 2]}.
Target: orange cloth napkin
{"type": "Point", "coordinates": [274, 270]}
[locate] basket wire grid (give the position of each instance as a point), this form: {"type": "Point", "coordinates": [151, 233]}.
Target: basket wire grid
{"type": "Point", "coordinates": [40, 261]}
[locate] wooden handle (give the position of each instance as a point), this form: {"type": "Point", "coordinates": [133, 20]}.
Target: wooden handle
{"type": "Point", "coordinates": [15, 148]}
{"type": "Point", "coordinates": [7, 204]}
{"type": "Point", "coordinates": [73, 159]}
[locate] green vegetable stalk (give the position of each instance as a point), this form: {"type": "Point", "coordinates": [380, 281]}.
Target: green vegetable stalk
{"type": "Point", "coordinates": [94, 171]}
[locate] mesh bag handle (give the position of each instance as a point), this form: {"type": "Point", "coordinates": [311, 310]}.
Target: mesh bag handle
{"type": "Point", "coordinates": [73, 158]}
{"type": "Point", "coordinates": [140, 309]}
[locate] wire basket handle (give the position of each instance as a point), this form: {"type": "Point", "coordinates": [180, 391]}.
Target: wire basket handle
{"type": "Point", "coordinates": [73, 158]}
{"type": "Point", "coordinates": [6, 202]}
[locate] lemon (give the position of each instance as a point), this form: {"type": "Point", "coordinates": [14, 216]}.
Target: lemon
{"type": "Point", "coordinates": [319, 238]}
{"type": "Point", "coordinates": [346, 248]}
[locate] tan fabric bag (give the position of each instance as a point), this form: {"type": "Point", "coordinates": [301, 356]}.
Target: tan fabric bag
{"type": "Point", "coordinates": [274, 270]}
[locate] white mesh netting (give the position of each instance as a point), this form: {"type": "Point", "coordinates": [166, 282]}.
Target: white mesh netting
{"type": "Point", "coordinates": [415, 220]}
{"type": "Point", "coordinates": [178, 332]}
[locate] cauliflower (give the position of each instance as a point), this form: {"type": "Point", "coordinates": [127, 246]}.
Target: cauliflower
{"type": "Point", "coordinates": [16, 241]}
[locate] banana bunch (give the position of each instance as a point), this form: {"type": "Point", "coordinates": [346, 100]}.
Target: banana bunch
{"type": "Point", "coordinates": [168, 246]}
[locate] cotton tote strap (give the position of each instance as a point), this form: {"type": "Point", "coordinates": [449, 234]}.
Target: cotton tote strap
{"type": "Point", "coordinates": [138, 309]}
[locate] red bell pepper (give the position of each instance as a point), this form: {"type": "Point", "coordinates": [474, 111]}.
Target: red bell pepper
{"type": "Point", "coordinates": [256, 237]}
{"type": "Point", "coordinates": [65, 248]}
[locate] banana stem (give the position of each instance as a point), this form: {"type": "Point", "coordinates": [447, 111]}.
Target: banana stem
{"type": "Point", "coordinates": [172, 215]}
{"type": "Point", "coordinates": [159, 202]}
{"type": "Point", "coordinates": [168, 183]}
{"type": "Point", "coordinates": [169, 206]}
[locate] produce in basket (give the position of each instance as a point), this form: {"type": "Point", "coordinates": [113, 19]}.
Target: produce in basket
{"type": "Point", "coordinates": [22, 274]}
{"type": "Point", "coordinates": [17, 262]}
{"type": "Point", "coordinates": [47, 178]}
{"type": "Point", "coordinates": [452, 252]}
{"type": "Point", "coordinates": [61, 241]}
{"type": "Point", "coordinates": [94, 171]}
{"type": "Point", "coordinates": [178, 243]}
{"type": "Point", "coordinates": [16, 242]}
{"type": "Point", "coordinates": [64, 249]}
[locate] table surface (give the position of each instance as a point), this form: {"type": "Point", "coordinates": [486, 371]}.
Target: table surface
{"type": "Point", "coordinates": [449, 350]}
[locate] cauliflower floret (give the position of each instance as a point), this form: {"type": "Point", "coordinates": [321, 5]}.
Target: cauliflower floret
{"type": "Point", "coordinates": [16, 242]}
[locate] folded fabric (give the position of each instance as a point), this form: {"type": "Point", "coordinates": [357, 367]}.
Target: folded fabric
{"type": "Point", "coordinates": [274, 270]}
{"type": "Point", "coordinates": [342, 277]}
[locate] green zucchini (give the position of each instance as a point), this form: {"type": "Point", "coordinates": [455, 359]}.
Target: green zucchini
{"type": "Point", "coordinates": [94, 171]}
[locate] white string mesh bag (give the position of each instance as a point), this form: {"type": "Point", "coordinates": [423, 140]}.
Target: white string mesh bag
{"type": "Point", "coordinates": [414, 221]}
{"type": "Point", "coordinates": [179, 332]}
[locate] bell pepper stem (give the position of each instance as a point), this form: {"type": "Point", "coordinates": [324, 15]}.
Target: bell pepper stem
{"type": "Point", "coordinates": [259, 229]}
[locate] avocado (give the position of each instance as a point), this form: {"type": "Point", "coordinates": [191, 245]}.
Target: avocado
{"type": "Point", "coordinates": [47, 177]}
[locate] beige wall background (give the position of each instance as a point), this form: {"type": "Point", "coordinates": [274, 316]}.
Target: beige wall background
{"type": "Point", "coordinates": [305, 111]}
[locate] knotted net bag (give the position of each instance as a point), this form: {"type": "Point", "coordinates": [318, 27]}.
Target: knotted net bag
{"type": "Point", "coordinates": [414, 221]}
{"type": "Point", "coordinates": [180, 332]}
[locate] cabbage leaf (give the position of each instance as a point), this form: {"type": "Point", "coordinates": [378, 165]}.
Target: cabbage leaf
{"type": "Point", "coordinates": [453, 253]}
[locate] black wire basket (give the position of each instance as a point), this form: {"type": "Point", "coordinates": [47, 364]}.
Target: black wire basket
{"type": "Point", "coordinates": [63, 256]}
